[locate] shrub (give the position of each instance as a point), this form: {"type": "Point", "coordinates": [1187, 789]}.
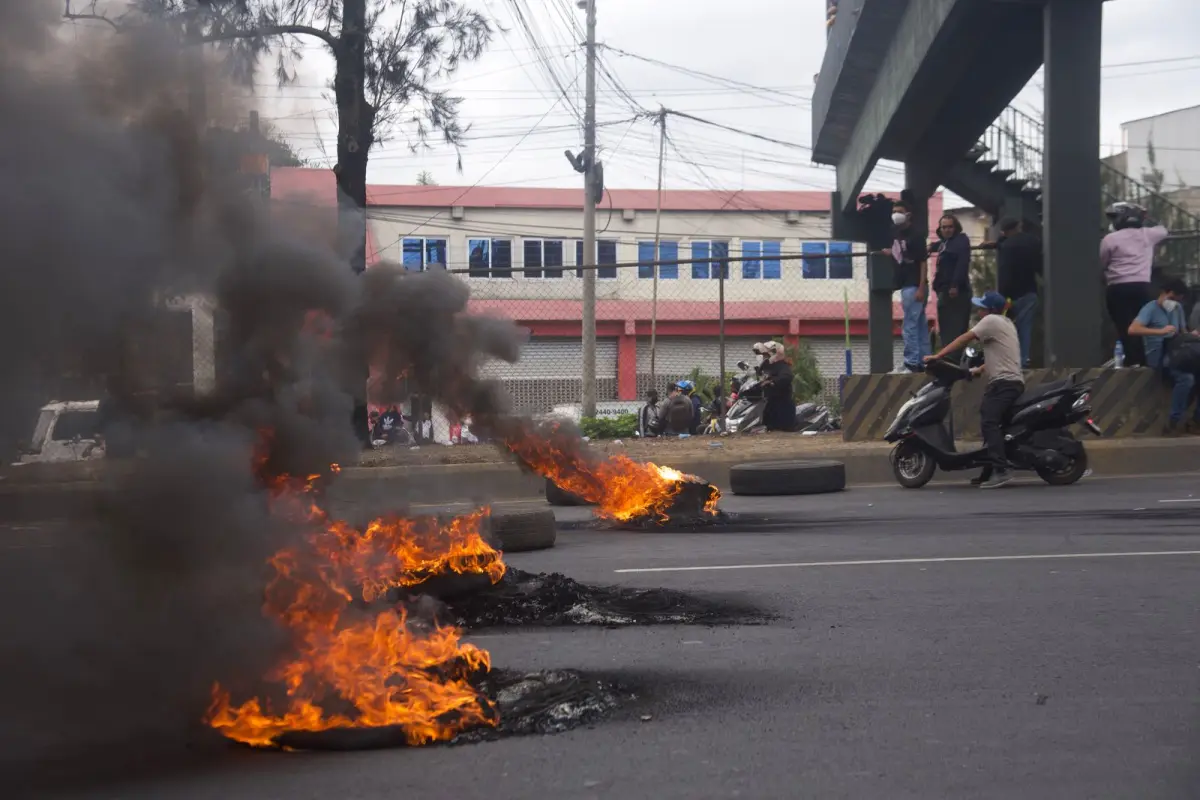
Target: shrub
{"type": "Point", "coordinates": [622, 427]}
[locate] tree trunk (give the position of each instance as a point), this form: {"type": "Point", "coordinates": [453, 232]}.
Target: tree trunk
{"type": "Point", "coordinates": [356, 118]}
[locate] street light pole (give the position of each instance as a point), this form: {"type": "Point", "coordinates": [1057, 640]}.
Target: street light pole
{"type": "Point", "coordinates": [589, 216]}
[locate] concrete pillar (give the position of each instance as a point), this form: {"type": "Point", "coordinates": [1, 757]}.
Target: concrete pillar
{"type": "Point", "coordinates": [627, 362]}
{"type": "Point", "coordinates": [1071, 183]}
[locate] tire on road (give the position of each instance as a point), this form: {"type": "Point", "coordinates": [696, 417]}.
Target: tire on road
{"type": "Point", "coordinates": [788, 477]}
{"type": "Point", "coordinates": [558, 496]}
{"type": "Point", "coordinates": [521, 531]}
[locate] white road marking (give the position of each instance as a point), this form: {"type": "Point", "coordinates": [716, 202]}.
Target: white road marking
{"type": "Point", "coordinates": [1184, 500]}
{"type": "Point", "coordinates": [886, 561]}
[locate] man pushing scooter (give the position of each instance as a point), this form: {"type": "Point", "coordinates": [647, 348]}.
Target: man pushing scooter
{"type": "Point", "coordinates": [1002, 367]}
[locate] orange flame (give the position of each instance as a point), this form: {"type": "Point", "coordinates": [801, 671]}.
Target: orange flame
{"type": "Point", "coordinates": [385, 670]}
{"type": "Point", "coordinates": [622, 489]}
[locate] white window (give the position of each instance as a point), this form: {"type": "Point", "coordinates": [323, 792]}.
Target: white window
{"type": "Point", "coordinates": [489, 258]}
{"type": "Point", "coordinates": [543, 258]}
{"type": "Point", "coordinates": [419, 255]}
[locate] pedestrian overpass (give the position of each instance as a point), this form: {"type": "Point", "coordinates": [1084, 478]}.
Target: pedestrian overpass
{"type": "Point", "coordinates": [929, 83]}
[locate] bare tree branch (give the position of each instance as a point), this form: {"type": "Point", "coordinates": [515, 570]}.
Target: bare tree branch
{"type": "Point", "coordinates": [89, 15]}
{"type": "Point", "coordinates": [271, 30]}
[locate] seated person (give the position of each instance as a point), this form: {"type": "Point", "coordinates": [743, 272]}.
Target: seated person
{"type": "Point", "coordinates": [1159, 321]}
{"type": "Point", "coordinates": [675, 415]}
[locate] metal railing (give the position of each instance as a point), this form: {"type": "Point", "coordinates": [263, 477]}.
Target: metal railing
{"type": "Point", "coordinates": [1014, 143]}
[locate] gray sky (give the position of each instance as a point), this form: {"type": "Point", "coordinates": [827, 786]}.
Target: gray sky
{"type": "Point", "coordinates": [774, 44]}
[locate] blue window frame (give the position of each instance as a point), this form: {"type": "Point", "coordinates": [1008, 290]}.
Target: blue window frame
{"type": "Point", "coordinates": [606, 253]}
{"type": "Point", "coordinates": [841, 265]}
{"type": "Point", "coordinates": [489, 258]}
{"type": "Point", "coordinates": [762, 260]}
{"type": "Point", "coordinates": [543, 258]}
{"type": "Point", "coordinates": [418, 255]}
{"type": "Point", "coordinates": [718, 252]}
{"type": "Point", "coordinates": [817, 266]}
{"type": "Point", "coordinates": [667, 251]}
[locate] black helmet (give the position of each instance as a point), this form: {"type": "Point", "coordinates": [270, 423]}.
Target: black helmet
{"type": "Point", "coordinates": [1125, 215]}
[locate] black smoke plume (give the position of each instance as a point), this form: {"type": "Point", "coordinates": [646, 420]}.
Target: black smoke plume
{"type": "Point", "coordinates": [115, 627]}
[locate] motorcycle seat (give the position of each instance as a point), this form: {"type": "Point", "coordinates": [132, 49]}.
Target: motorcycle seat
{"type": "Point", "coordinates": [1037, 393]}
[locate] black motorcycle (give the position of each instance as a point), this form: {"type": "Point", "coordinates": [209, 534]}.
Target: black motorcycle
{"type": "Point", "coordinates": [1036, 430]}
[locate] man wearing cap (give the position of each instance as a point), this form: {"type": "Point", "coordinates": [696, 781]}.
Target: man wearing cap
{"type": "Point", "coordinates": [1002, 367]}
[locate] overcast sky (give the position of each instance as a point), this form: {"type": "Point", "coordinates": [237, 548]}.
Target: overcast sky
{"type": "Point", "coordinates": [521, 125]}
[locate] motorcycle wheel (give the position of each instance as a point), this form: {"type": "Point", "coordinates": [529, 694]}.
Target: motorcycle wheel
{"type": "Point", "coordinates": [912, 465]}
{"type": "Point", "coordinates": [1070, 474]}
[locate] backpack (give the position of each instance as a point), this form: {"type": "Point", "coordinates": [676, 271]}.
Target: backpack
{"type": "Point", "coordinates": [679, 414]}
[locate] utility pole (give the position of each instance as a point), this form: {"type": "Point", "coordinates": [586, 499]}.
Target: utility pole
{"type": "Point", "coordinates": [589, 216]}
{"type": "Point", "coordinates": [662, 147]}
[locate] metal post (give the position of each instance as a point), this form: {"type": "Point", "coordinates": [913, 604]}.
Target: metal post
{"type": "Point", "coordinates": [721, 335]}
{"type": "Point", "coordinates": [662, 146]}
{"type": "Point", "coordinates": [589, 219]}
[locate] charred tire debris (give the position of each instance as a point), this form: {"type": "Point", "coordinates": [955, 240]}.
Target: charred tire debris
{"type": "Point", "coordinates": [546, 702]}
{"type": "Point", "coordinates": [522, 531]}
{"type": "Point", "coordinates": [788, 478]}
{"type": "Point", "coordinates": [525, 599]}
{"type": "Point", "coordinates": [558, 496]}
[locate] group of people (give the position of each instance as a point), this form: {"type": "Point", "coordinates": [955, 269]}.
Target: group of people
{"type": "Point", "coordinates": [1152, 329]}
{"type": "Point", "coordinates": [1150, 325]}
{"type": "Point", "coordinates": [682, 411]}
{"type": "Point", "coordinates": [1019, 262]}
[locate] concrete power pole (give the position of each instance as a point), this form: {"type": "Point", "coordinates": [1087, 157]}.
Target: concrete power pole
{"type": "Point", "coordinates": [589, 216]}
{"type": "Point", "coordinates": [662, 151]}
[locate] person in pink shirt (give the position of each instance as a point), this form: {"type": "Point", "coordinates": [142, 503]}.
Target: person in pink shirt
{"type": "Point", "coordinates": [1127, 255]}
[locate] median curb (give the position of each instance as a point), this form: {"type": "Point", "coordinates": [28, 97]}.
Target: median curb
{"type": "Point", "coordinates": [366, 491]}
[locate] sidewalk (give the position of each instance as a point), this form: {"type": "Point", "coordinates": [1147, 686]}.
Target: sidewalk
{"type": "Point", "coordinates": [481, 473]}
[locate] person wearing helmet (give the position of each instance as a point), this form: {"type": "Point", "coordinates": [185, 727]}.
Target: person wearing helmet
{"type": "Point", "coordinates": [675, 415]}
{"type": "Point", "coordinates": [1127, 256]}
{"type": "Point", "coordinates": [780, 413]}
{"type": "Point", "coordinates": [689, 391]}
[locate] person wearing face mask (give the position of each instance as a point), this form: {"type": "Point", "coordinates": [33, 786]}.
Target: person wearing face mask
{"type": "Point", "coordinates": [911, 255]}
{"type": "Point", "coordinates": [1127, 256]}
{"type": "Point", "coordinates": [780, 413]}
{"type": "Point", "coordinates": [1157, 324]}
{"type": "Point", "coordinates": [952, 281]}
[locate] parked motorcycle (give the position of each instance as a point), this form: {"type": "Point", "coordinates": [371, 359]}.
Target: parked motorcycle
{"type": "Point", "coordinates": [749, 404]}
{"type": "Point", "coordinates": [816, 418]}
{"type": "Point", "coordinates": [1036, 430]}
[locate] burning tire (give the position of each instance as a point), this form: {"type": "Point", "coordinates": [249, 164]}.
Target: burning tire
{"type": "Point", "coordinates": [557, 496]}
{"type": "Point", "coordinates": [788, 477]}
{"type": "Point", "coordinates": [520, 531]}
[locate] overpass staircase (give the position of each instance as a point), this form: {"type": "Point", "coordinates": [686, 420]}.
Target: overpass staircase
{"type": "Point", "coordinates": [1001, 174]}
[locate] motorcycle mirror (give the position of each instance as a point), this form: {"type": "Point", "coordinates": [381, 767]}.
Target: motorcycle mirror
{"type": "Point", "coordinates": [743, 365]}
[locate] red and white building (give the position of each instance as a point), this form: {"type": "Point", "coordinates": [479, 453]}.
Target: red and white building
{"type": "Point", "coordinates": [519, 247]}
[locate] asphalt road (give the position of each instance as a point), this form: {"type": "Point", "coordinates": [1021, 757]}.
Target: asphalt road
{"type": "Point", "coordinates": [1058, 659]}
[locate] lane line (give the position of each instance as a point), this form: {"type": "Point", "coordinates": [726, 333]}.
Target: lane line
{"type": "Point", "coordinates": [1184, 500]}
{"type": "Point", "coordinates": [886, 561]}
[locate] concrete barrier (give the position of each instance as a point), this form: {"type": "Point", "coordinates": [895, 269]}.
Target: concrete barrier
{"type": "Point", "coordinates": [1125, 402]}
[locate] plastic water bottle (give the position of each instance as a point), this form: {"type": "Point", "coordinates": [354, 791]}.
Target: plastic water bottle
{"type": "Point", "coordinates": [1118, 355]}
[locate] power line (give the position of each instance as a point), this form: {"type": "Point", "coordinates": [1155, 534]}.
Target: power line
{"type": "Point", "coordinates": [746, 87]}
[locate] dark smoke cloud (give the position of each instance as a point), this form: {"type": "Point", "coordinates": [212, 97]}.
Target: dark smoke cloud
{"type": "Point", "coordinates": [115, 631]}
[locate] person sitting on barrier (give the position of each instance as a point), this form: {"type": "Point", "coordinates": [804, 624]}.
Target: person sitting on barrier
{"type": "Point", "coordinates": [1006, 383]}
{"type": "Point", "coordinates": [1160, 324]}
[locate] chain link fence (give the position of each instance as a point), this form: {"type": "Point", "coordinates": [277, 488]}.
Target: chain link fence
{"type": "Point", "coordinates": [681, 311]}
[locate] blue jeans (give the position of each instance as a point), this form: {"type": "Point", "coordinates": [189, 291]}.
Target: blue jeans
{"type": "Point", "coordinates": [1022, 315]}
{"type": "Point", "coordinates": [915, 328]}
{"type": "Point", "coordinates": [1181, 393]}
